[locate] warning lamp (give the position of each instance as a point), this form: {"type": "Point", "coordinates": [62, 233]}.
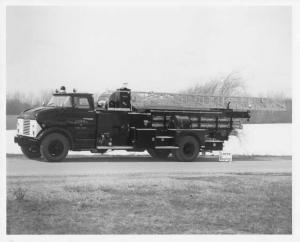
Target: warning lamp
{"type": "Point", "coordinates": [62, 89]}
{"type": "Point", "coordinates": [125, 85]}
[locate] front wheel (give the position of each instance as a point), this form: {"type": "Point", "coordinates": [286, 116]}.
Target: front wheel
{"type": "Point", "coordinates": [188, 149]}
{"type": "Point", "coordinates": [31, 152]}
{"type": "Point", "coordinates": [55, 147]}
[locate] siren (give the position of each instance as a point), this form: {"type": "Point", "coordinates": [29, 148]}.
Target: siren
{"type": "Point", "coordinates": [62, 89]}
{"type": "Point", "coordinates": [125, 85]}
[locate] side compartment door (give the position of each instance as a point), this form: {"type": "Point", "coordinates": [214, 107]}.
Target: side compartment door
{"type": "Point", "coordinates": [113, 127]}
{"type": "Point", "coordinates": [120, 128]}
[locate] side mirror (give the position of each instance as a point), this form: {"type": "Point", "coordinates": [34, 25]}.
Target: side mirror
{"type": "Point", "coordinates": [101, 104]}
{"type": "Point", "coordinates": [43, 103]}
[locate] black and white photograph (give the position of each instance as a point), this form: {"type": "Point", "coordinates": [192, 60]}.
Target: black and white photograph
{"type": "Point", "coordinates": [148, 119]}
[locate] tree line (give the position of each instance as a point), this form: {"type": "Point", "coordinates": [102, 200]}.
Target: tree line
{"type": "Point", "coordinates": [17, 102]}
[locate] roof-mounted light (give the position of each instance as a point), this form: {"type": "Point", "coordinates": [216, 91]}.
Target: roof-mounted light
{"type": "Point", "coordinates": [62, 89]}
{"type": "Point", "coordinates": [125, 85]}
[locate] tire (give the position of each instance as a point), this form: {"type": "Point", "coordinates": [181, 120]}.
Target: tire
{"type": "Point", "coordinates": [54, 147]}
{"type": "Point", "coordinates": [160, 154]}
{"type": "Point", "coordinates": [188, 149]}
{"type": "Point", "coordinates": [30, 152]}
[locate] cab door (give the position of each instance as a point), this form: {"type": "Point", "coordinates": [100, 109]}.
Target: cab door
{"type": "Point", "coordinates": [84, 118]}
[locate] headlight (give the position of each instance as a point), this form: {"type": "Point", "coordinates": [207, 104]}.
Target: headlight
{"type": "Point", "coordinates": [20, 126]}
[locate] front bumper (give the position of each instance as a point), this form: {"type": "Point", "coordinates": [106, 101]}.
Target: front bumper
{"type": "Point", "coordinates": [25, 140]}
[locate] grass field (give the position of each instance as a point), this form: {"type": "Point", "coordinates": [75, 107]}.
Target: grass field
{"type": "Point", "coordinates": [151, 204]}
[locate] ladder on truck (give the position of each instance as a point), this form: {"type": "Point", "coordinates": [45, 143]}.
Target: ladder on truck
{"type": "Point", "coordinates": [177, 101]}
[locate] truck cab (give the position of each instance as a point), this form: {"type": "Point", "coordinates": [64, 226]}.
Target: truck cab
{"type": "Point", "coordinates": [69, 116]}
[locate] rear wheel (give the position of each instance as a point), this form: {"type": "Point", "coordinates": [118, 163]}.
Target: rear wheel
{"type": "Point", "coordinates": [188, 149]}
{"type": "Point", "coordinates": [161, 154]}
{"type": "Point", "coordinates": [31, 152]}
{"type": "Point", "coordinates": [54, 147]}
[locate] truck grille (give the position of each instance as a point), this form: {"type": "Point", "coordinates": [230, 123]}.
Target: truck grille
{"type": "Point", "coordinates": [26, 127]}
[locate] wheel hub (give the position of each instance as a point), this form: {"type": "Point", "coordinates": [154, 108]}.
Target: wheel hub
{"type": "Point", "coordinates": [188, 149]}
{"type": "Point", "coordinates": [56, 148]}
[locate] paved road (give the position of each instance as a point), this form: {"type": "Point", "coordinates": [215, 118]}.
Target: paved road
{"type": "Point", "coordinates": [18, 165]}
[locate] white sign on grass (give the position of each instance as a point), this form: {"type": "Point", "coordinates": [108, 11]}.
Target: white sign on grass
{"type": "Point", "coordinates": [225, 156]}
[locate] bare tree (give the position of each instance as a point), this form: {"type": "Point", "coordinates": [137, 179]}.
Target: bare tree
{"type": "Point", "coordinates": [229, 85]}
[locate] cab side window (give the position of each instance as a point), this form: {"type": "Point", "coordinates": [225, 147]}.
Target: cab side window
{"type": "Point", "coordinates": [81, 103]}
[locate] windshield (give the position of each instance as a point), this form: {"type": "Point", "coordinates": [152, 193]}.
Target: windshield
{"type": "Point", "coordinates": [60, 101]}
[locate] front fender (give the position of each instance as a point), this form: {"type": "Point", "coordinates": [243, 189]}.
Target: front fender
{"type": "Point", "coordinates": [51, 130]}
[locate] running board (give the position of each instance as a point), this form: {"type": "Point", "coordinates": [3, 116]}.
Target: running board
{"type": "Point", "coordinates": [166, 147]}
{"type": "Point", "coordinates": [115, 147]}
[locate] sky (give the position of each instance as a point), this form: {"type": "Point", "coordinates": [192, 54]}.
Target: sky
{"type": "Point", "coordinates": [152, 48]}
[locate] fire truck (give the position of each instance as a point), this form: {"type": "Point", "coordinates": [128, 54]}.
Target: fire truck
{"type": "Point", "coordinates": [161, 123]}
